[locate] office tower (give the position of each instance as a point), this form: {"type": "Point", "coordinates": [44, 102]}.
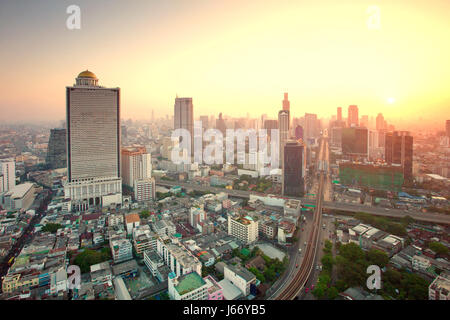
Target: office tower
{"type": "Point", "coordinates": [339, 114]}
{"type": "Point", "coordinates": [269, 125]}
{"type": "Point", "coordinates": [399, 150]}
{"type": "Point", "coordinates": [447, 128]}
{"type": "Point", "coordinates": [263, 119]}
{"type": "Point", "coordinates": [364, 121]}
{"type": "Point", "coordinates": [283, 122]}
{"type": "Point", "coordinates": [56, 153]}
{"type": "Point", "coordinates": [93, 144]}
{"type": "Point", "coordinates": [336, 137]}
{"type": "Point", "coordinates": [286, 103]}
{"type": "Point", "coordinates": [184, 117]}
{"type": "Point", "coordinates": [298, 132]}
{"type": "Point", "coordinates": [205, 122]}
{"type": "Point", "coordinates": [352, 120]}
{"type": "Point", "coordinates": [243, 228]}
{"type": "Point", "coordinates": [136, 165]}
{"type": "Point", "coordinates": [293, 169]}
{"type": "Point", "coordinates": [220, 125]}
{"type": "Point", "coordinates": [7, 175]}
{"type": "Point", "coordinates": [380, 122]}
{"type": "Point", "coordinates": [355, 141]}
{"type": "Point", "coordinates": [311, 131]}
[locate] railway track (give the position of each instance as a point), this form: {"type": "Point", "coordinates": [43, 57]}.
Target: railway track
{"type": "Point", "coordinates": [306, 267]}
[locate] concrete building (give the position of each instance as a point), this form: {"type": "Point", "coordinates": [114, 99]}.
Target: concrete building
{"type": "Point", "coordinates": [243, 228]}
{"type": "Point", "coordinates": [144, 239]}
{"type": "Point", "coordinates": [145, 189]}
{"type": "Point", "coordinates": [439, 289]}
{"type": "Point", "coordinates": [7, 175]}
{"type": "Point", "coordinates": [132, 221]}
{"type": "Point", "coordinates": [190, 286]}
{"type": "Point", "coordinates": [56, 153]}
{"type": "Point", "coordinates": [93, 144]}
{"type": "Point", "coordinates": [240, 277]}
{"type": "Point", "coordinates": [177, 257]}
{"type": "Point", "coordinates": [399, 150]}
{"type": "Point", "coordinates": [121, 250]}
{"type": "Point", "coordinates": [294, 168]}
{"type": "Point", "coordinates": [184, 117]}
{"type": "Point", "coordinates": [352, 119]}
{"type": "Point", "coordinates": [136, 165]}
{"type": "Point", "coordinates": [20, 196]}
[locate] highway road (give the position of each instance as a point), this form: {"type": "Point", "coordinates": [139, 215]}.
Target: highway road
{"type": "Point", "coordinates": [349, 207]}
{"type": "Point", "coordinates": [296, 282]}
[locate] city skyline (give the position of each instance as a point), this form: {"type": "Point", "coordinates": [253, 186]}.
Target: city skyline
{"type": "Point", "coordinates": [238, 64]}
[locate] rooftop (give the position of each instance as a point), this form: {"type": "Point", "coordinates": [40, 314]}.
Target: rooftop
{"type": "Point", "coordinates": [189, 282]}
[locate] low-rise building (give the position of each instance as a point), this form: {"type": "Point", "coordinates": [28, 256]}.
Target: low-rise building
{"type": "Point", "coordinates": [439, 289]}
{"type": "Point", "coordinates": [240, 277]}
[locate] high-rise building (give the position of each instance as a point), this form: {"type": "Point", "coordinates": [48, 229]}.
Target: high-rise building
{"type": "Point", "coordinates": [364, 121]}
{"type": "Point", "coordinates": [205, 122]}
{"type": "Point", "coordinates": [447, 128]}
{"type": "Point", "coordinates": [286, 103]}
{"type": "Point", "coordinates": [220, 125]}
{"type": "Point", "coordinates": [144, 189]}
{"type": "Point", "coordinates": [339, 114]}
{"type": "Point", "coordinates": [311, 129]}
{"type": "Point", "coordinates": [293, 169]}
{"type": "Point", "coordinates": [355, 141]}
{"type": "Point", "coordinates": [56, 154]}
{"type": "Point", "coordinates": [136, 165]}
{"type": "Point", "coordinates": [243, 228]}
{"type": "Point", "coordinates": [380, 122]}
{"type": "Point", "coordinates": [283, 122]}
{"type": "Point", "coordinates": [399, 150]}
{"type": "Point", "coordinates": [184, 117]}
{"type": "Point", "coordinates": [352, 119]}
{"type": "Point", "coordinates": [269, 125]}
{"type": "Point", "coordinates": [93, 144]}
{"type": "Point", "coordinates": [298, 132]}
{"type": "Point", "coordinates": [7, 175]}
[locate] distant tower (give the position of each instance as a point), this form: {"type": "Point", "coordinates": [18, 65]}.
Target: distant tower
{"type": "Point", "coordinates": [283, 125]}
{"type": "Point", "coordinates": [299, 132]}
{"type": "Point", "coordinates": [380, 122]}
{"type": "Point", "coordinates": [220, 125]}
{"type": "Point", "coordinates": [184, 117]}
{"type": "Point", "coordinates": [286, 103]}
{"type": "Point", "coordinates": [352, 119]}
{"type": "Point", "coordinates": [56, 153]}
{"type": "Point", "coordinates": [447, 128]}
{"type": "Point", "coordinates": [399, 150]}
{"type": "Point", "coordinates": [339, 114]}
{"type": "Point", "coordinates": [93, 144]}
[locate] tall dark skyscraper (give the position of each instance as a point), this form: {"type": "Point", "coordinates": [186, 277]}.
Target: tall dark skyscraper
{"type": "Point", "coordinates": [447, 128]}
{"type": "Point", "coordinates": [293, 169]}
{"type": "Point", "coordinates": [352, 119]}
{"type": "Point", "coordinates": [56, 154]}
{"type": "Point", "coordinates": [184, 117]}
{"type": "Point", "coordinates": [399, 150]}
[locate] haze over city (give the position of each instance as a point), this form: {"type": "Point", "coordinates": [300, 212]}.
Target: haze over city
{"type": "Point", "coordinates": [231, 57]}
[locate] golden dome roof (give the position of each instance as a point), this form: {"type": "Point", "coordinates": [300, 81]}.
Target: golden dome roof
{"type": "Point", "coordinates": [87, 74]}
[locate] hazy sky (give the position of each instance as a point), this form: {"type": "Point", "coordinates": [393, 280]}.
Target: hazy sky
{"type": "Point", "coordinates": [230, 56]}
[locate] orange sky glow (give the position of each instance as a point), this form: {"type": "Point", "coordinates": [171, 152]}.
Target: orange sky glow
{"type": "Point", "coordinates": [232, 57]}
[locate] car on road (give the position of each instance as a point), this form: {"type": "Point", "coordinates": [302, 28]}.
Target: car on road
{"type": "Point", "coordinates": [306, 290]}
{"type": "Point", "coordinates": [300, 250]}
{"type": "Point", "coordinates": [305, 243]}
{"type": "Point", "coordinates": [296, 265]}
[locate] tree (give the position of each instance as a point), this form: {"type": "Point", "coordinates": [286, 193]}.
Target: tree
{"type": "Point", "coordinates": [438, 247]}
{"type": "Point", "coordinates": [51, 227]}
{"type": "Point", "coordinates": [377, 257]}
{"type": "Point", "coordinates": [327, 262]}
{"type": "Point", "coordinates": [89, 257]}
